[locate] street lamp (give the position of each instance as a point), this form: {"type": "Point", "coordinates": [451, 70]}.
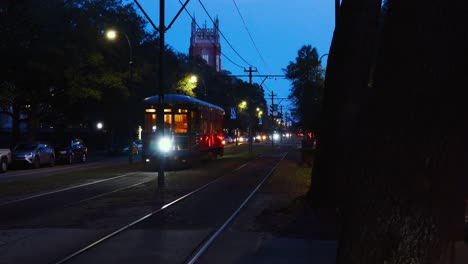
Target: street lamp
{"type": "Point", "coordinates": [242, 105]}
{"type": "Point", "coordinates": [321, 57]}
{"type": "Point", "coordinates": [99, 125]}
{"type": "Point", "coordinates": [193, 79]}
{"type": "Point", "coordinates": [259, 112]}
{"type": "Point", "coordinates": [112, 35]}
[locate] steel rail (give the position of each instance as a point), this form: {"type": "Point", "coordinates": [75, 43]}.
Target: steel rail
{"type": "Point", "coordinates": [65, 189]}
{"type": "Point", "coordinates": [106, 193]}
{"type": "Point", "coordinates": [126, 227]}
{"type": "Point", "coordinates": [208, 242]}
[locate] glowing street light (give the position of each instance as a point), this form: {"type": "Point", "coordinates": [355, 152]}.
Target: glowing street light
{"type": "Point", "coordinates": [99, 125]}
{"type": "Point", "coordinates": [111, 34]}
{"type": "Point", "coordinates": [193, 79]}
{"type": "Point", "coordinates": [243, 105]}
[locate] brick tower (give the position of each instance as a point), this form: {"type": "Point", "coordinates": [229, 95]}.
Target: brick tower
{"type": "Point", "coordinates": [205, 43]}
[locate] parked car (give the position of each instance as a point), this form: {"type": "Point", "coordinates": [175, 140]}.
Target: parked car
{"type": "Point", "coordinates": [5, 159]}
{"type": "Point", "coordinates": [137, 147]}
{"type": "Point", "coordinates": [71, 151]}
{"type": "Point", "coordinates": [34, 154]}
{"type": "Point", "coordinates": [228, 139]}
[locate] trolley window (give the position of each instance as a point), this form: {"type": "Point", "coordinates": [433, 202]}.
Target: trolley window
{"type": "Point", "coordinates": [168, 123]}
{"type": "Point", "coordinates": [150, 122]}
{"type": "Point", "coordinates": [180, 123]}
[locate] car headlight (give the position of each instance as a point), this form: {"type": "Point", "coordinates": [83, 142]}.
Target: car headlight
{"type": "Point", "coordinates": [165, 144]}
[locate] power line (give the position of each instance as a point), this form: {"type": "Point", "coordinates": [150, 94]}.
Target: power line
{"type": "Point", "coordinates": [224, 55]}
{"type": "Point", "coordinates": [221, 33]}
{"type": "Point", "coordinates": [250, 36]}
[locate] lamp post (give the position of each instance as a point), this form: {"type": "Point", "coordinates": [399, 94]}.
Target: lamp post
{"type": "Point", "coordinates": [321, 57]}
{"type": "Point", "coordinates": [243, 105]}
{"type": "Point", "coordinates": [112, 35]}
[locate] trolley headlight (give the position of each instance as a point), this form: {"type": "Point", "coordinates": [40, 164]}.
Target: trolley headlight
{"type": "Point", "coordinates": [276, 136]}
{"type": "Point", "coordinates": [165, 144]}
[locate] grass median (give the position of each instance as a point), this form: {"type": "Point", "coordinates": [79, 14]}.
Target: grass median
{"type": "Point", "coordinates": [48, 183]}
{"type": "Point", "coordinates": [63, 180]}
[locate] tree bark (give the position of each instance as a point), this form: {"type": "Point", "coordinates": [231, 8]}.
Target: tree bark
{"type": "Point", "coordinates": [346, 84]}
{"type": "Point", "coordinates": [405, 202]}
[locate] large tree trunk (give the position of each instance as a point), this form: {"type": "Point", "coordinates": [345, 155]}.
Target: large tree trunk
{"type": "Point", "coordinates": [347, 77]}
{"type": "Point", "coordinates": [405, 201]}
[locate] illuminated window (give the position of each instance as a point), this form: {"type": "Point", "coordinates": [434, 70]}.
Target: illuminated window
{"type": "Point", "coordinates": [150, 122]}
{"type": "Point", "coordinates": [180, 123]}
{"type": "Point", "coordinates": [167, 123]}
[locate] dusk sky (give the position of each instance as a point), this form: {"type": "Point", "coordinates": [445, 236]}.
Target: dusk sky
{"type": "Point", "coordinates": [278, 28]}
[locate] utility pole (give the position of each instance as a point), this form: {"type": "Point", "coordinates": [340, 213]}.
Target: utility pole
{"type": "Point", "coordinates": [160, 107]}
{"type": "Point", "coordinates": [250, 108]}
{"type": "Point", "coordinates": [272, 119]}
{"type": "Point", "coordinates": [265, 77]}
{"type": "Point", "coordinates": [281, 124]}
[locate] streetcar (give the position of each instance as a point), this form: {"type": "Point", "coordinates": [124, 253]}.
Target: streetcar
{"type": "Point", "coordinates": [193, 130]}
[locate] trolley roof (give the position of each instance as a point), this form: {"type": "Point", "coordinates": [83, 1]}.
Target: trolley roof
{"type": "Point", "coordinates": [180, 99]}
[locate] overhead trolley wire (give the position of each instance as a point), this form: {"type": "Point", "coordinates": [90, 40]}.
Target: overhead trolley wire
{"type": "Point", "coordinates": [221, 33]}
{"type": "Point", "coordinates": [250, 36]}
{"type": "Point", "coordinates": [224, 55]}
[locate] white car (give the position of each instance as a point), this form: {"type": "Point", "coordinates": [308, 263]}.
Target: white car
{"type": "Point", "coordinates": [34, 154]}
{"type": "Point", "coordinates": [5, 159]}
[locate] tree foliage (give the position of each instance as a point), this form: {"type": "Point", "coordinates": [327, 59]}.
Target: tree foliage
{"type": "Point", "coordinates": [56, 59]}
{"type": "Point", "coordinates": [306, 75]}
{"type": "Point", "coordinates": [186, 86]}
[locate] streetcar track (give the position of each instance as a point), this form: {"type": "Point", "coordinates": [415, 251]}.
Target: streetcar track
{"type": "Point", "coordinates": [107, 193]}
{"type": "Point", "coordinates": [65, 189]}
{"type": "Point", "coordinates": [126, 227]}
{"type": "Point", "coordinates": [210, 238]}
